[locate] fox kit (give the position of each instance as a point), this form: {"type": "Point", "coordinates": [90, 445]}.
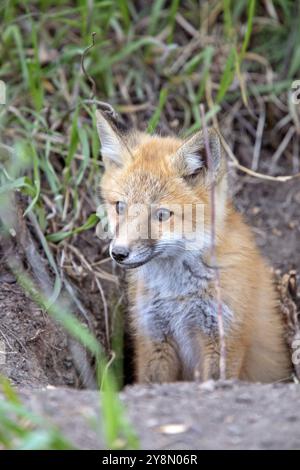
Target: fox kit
{"type": "Point", "coordinates": [171, 273]}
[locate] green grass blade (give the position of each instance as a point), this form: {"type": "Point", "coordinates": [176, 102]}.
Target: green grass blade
{"type": "Point", "coordinates": [156, 116]}
{"type": "Point", "coordinates": [250, 16]}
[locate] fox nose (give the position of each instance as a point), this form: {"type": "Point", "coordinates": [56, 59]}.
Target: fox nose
{"type": "Point", "coordinates": [119, 253]}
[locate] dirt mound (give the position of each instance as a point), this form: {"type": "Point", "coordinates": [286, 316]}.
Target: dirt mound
{"type": "Point", "coordinates": [228, 415]}
{"type": "Point", "coordinates": [36, 349]}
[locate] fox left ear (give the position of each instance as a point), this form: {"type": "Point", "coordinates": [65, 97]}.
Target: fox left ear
{"type": "Point", "coordinates": [191, 159]}
{"type": "Point", "coordinates": [112, 137]}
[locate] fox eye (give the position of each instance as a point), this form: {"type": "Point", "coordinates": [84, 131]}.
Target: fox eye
{"type": "Point", "coordinates": [163, 214]}
{"type": "Point", "coordinates": [120, 207]}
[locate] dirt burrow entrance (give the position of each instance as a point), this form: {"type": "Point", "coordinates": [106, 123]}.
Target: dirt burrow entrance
{"type": "Point", "coordinates": [38, 352]}
{"type": "Point", "coordinates": [36, 349]}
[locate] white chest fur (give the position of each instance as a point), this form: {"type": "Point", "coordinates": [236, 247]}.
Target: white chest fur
{"type": "Point", "coordinates": [175, 302]}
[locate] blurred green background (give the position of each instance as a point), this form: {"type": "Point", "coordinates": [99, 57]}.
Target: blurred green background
{"type": "Point", "coordinates": [155, 62]}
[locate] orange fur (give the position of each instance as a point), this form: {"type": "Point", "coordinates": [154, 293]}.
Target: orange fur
{"type": "Point", "coordinates": [255, 346]}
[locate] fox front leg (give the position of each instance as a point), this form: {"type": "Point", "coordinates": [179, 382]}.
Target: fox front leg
{"type": "Point", "coordinates": [209, 366]}
{"type": "Point", "coordinates": [156, 361]}
{"type": "Point", "coordinates": [208, 362]}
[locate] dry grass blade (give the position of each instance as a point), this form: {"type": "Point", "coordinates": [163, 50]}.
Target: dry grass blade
{"type": "Point", "coordinates": [282, 147]}
{"type": "Point", "coordinates": [89, 78]}
{"type": "Point", "coordinates": [99, 286]}
{"type": "Point", "coordinates": [259, 135]}
{"type": "Point", "coordinates": [222, 363]}
{"type": "Point", "coordinates": [248, 171]}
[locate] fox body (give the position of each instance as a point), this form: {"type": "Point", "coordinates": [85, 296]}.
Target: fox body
{"type": "Point", "coordinates": [172, 271]}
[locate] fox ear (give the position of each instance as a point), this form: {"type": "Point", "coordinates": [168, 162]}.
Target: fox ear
{"type": "Point", "coordinates": [113, 144]}
{"type": "Point", "coordinates": [190, 159]}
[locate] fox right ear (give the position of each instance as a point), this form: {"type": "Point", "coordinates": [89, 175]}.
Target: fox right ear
{"type": "Point", "coordinates": [113, 146]}
{"type": "Point", "coordinates": [190, 159]}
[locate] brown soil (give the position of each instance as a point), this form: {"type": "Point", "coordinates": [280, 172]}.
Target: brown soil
{"type": "Point", "coordinates": [184, 415]}
{"type": "Point", "coordinates": [273, 210]}
{"type": "Point", "coordinates": [36, 348]}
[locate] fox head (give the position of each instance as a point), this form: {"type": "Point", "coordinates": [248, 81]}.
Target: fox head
{"type": "Point", "coordinates": [157, 192]}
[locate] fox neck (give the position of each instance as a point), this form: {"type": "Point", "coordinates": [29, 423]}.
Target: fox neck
{"type": "Point", "coordinates": [172, 275]}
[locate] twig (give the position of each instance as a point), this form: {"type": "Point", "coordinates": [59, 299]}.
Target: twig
{"type": "Point", "coordinates": [82, 364]}
{"type": "Point", "coordinates": [258, 138]}
{"type": "Point", "coordinates": [42, 277]}
{"type": "Point", "coordinates": [283, 122]}
{"type": "Point", "coordinates": [29, 248]}
{"type": "Point", "coordinates": [73, 295]}
{"type": "Point", "coordinates": [296, 163]}
{"type": "Point", "coordinates": [6, 340]}
{"type": "Point", "coordinates": [187, 26]}
{"type": "Point", "coordinates": [222, 363]}
{"type": "Point", "coordinates": [58, 284]}
{"type": "Point", "coordinates": [271, 10]}
{"type": "Point", "coordinates": [236, 163]}
{"type": "Point", "coordinates": [11, 332]}
{"type": "Point", "coordinates": [103, 105]}
{"type": "Point", "coordinates": [99, 286]}
{"type": "Point", "coordinates": [294, 113]}
{"type": "Point", "coordinates": [88, 77]}
{"type": "Point", "coordinates": [282, 147]}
